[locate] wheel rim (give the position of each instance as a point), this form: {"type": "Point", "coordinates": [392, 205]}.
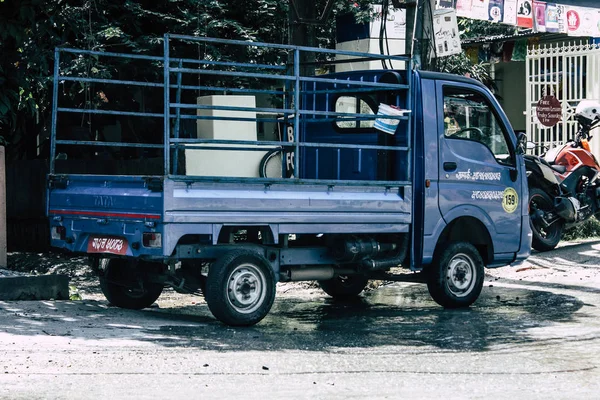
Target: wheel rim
{"type": "Point", "coordinates": [538, 206]}
{"type": "Point", "coordinates": [460, 275]}
{"type": "Point", "coordinates": [246, 288]}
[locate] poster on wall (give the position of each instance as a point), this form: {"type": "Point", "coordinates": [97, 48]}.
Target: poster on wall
{"type": "Point", "coordinates": [463, 8]}
{"type": "Point", "coordinates": [445, 26]}
{"type": "Point", "coordinates": [496, 10]}
{"type": "Point", "coordinates": [525, 13]}
{"type": "Point", "coordinates": [510, 12]}
{"type": "Point", "coordinates": [539, 16]}
{"type": "Point", "coordinates": [480, 9]}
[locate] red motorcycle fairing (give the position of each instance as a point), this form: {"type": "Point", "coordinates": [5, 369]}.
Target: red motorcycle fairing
{"type": "Point", "coordinates": [572, 158]}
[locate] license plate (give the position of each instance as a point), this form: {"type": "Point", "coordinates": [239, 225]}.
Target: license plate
{"type": "Point", "coordinates": [107, 244]}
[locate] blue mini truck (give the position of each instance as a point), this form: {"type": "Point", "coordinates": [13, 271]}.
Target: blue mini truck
{"type": "Point", "coordinates": [252, 173]}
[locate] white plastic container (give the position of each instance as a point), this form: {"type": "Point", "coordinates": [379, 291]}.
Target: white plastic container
{"type": "Point", "coordinates": [388, 125]}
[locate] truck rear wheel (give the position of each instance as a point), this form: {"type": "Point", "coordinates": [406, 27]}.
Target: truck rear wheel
{"type": "Point", "coordinates": [344, 286]}
{"type": "Point", "coordinates": [124, 283]}
{"type": "Point", "coordinates": [240, 288]}
{"type": "Point", "coordinates": [455, 278]}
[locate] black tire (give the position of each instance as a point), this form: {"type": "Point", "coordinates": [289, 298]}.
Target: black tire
{"type": "Point", "coordinates": [455, 278]}
{"type": "Point", "coordinates": [344, 286]}
{"type": "Point", "coordinates": [544, 238]}
{"type": "Point", "coordinates": [271, 165]}
{"type": "Point", "coordinates": [124, 283]}
{"type": "Point", "coordinates": [240, 288]}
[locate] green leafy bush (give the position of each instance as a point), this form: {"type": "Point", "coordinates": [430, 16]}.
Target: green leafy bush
{"type": "Point", "coordinates": [589, 229]}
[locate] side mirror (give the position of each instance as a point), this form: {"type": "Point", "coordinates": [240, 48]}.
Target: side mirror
{"type": "Point", "coordinates": [522, 143]}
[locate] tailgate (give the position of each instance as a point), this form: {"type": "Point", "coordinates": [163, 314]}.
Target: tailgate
{"type": "Point", "coordinates": [106, 214]}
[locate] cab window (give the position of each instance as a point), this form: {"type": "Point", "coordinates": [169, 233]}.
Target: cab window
{"type": "Point", "coordinates": [353, 105]}
{"type": "Point", "coordinates": [469, 116]}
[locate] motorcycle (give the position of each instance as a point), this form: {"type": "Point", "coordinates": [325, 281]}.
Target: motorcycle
{"type": "Point", "coordinates": [564, 183]}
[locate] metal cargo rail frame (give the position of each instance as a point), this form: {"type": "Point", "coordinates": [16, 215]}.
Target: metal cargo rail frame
{"type": "Point", "coordinates": [295, 107]}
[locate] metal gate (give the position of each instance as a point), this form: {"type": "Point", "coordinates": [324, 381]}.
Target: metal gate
{"type": "Point", "coordinates": [571, 73]}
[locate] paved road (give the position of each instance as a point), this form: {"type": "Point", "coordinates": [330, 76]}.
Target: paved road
{"type": "Point", "coordinates": [534, 333]}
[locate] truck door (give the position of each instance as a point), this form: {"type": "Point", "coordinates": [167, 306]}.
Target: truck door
{"type": "Point", "coordinates": [477, 163]}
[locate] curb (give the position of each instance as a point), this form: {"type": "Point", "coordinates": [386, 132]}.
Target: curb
{"type": "Point", "coordinates": [43, 287]}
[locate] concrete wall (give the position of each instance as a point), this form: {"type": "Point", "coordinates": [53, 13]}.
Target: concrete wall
{"type": "Point", "coordinates": [511, 82]}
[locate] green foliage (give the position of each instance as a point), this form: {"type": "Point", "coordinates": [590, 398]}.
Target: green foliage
{"type": "Point", "coordinates": [74, 294]}
{"type": "Point", "coordinates": [31, 29]}
{"type": "Point", "coordinates": [475, 29]}
{"type": "Point", "coordinates": [460, 64]}
{"type": "Point", "coordinates": [588, 229]}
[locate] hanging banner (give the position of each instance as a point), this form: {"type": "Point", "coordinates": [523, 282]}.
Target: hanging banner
{"type": "Point", "coordinates": [583, 21]}
{"type": "Point", "coordinates": [525, 14]}
{"type": "Point", "coordinates": [510, 12]}
{"type": "Point", "coordinates": [496, 11]}
{"type": "Point", "coordinates": [539, 16]}
{"type": "Point", "coordinates": [551, 18]}
{"type": "Point", "coordinates": [463, 8]}
{"type": "Point", "coordinates": [561, 15]}
{"type": "Point", "coordinates": [480, 9]}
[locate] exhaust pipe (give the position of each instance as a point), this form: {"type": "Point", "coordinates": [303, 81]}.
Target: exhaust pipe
{"type": "Point", "coordinates": [313, 273]}
{"type": "Point", "coordinates": [567, 208]}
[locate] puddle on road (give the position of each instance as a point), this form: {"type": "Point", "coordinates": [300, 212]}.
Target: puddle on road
{"type": "Point", "coordinates": [390, 315]}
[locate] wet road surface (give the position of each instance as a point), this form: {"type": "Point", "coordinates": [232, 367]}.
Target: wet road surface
{"type": "Point", "coordinates": [534, 333]}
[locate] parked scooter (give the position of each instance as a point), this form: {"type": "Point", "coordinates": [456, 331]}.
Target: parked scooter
{"type": "Point", "coordinates": [564, 183]}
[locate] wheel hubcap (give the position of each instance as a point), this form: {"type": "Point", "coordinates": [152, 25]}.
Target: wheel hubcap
{"type": "Point", "coordinates": [246, 288]}
{"type": "Point", "coordinates": [460, 275]}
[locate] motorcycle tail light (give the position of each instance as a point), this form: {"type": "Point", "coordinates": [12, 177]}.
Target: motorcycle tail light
{"type": "Point", "coordinates": [151, 239]}
{"type": "Point", "coordinates": [586, 145]}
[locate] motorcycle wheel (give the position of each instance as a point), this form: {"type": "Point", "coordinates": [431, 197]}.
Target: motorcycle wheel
{"type": "Point", "coordinates": [545, 238]}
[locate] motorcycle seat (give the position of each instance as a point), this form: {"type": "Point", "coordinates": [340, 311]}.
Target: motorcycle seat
{"type": "Point", "coordinates": [561, 169]}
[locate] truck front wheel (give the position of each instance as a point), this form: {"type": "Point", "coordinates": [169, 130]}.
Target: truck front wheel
{"type": "Point", "coordinates": [455, 278]}
{"type": "Point", "coordinates": [125, 284]}
{"type": "Point", "coordinates": [240, 288]}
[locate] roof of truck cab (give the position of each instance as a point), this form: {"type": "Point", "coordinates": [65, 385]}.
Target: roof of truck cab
{"type": "Point", "coordinates": [449, 77]}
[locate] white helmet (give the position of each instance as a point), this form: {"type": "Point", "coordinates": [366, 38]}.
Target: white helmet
{"type": "Point", "coordinates": [588, 111]}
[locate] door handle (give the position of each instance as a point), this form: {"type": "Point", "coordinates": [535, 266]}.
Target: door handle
{"type": "Point", "coordinates": [449, 166]}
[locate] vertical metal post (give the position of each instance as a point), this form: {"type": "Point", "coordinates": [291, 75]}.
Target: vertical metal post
{"type": "Point", "coordinates": [167, 100]}
{"type": "Point", "coordinates": [411, 120]}
{"type": "Point", "coordinates": [177, 120]}
{"type": "Point", "coordinates": [296, 112]}
{"type": "Point", "coordinates": [3, 256]}
{"type": "Point", "coordinates": [528, 89]}
{"type": "Point", "coordinates": [54, 110]}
